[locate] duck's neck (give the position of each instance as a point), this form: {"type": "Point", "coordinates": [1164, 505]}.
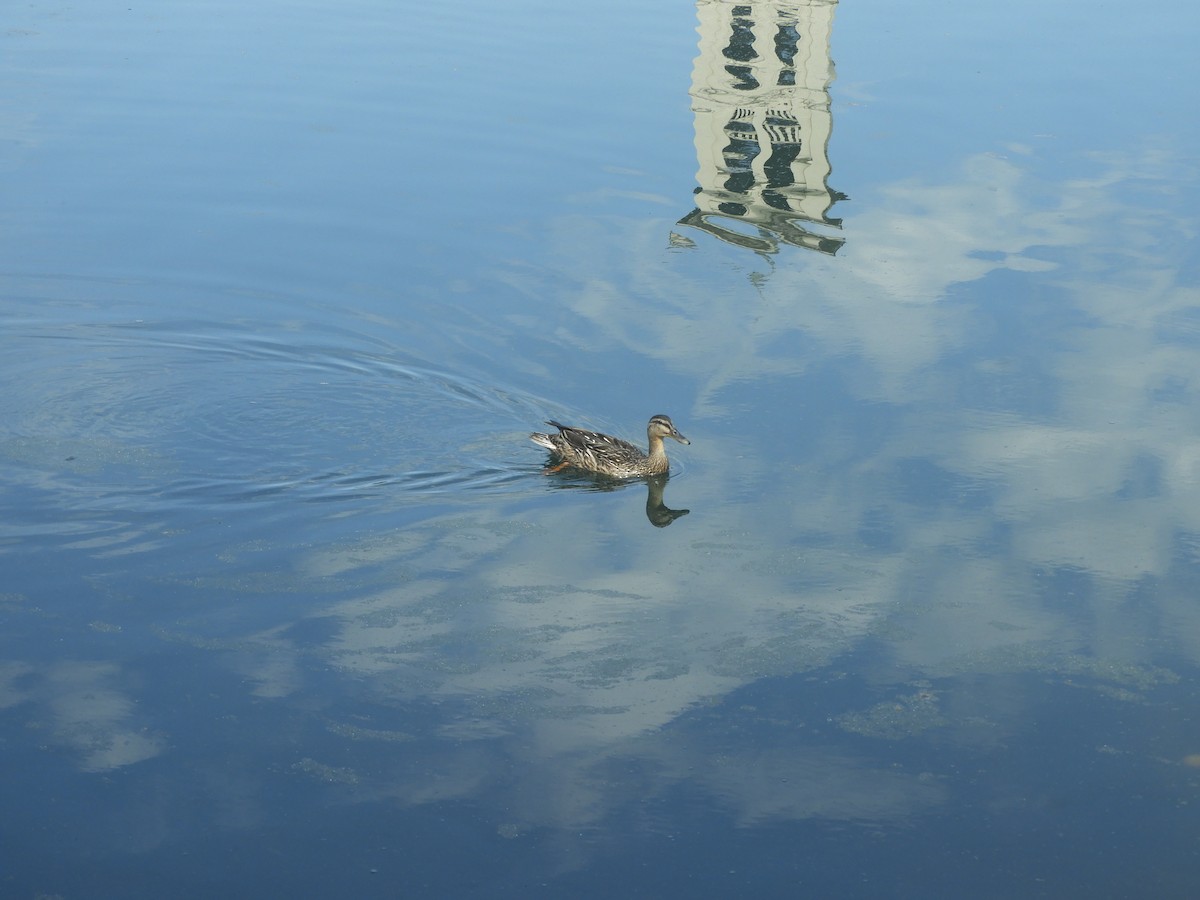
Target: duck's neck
{"type": "Point", "coordinates": [656, 448]}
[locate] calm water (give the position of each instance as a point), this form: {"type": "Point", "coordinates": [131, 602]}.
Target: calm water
{"type": "Point", "coordinates": [288, 607]}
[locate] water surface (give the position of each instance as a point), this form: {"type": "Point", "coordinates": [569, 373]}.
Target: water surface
{"type": "Point", "coordinates": [289, 606]}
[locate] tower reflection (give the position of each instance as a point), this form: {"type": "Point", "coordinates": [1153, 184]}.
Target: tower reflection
{"type": "Point", "coordinates": [760, 97]}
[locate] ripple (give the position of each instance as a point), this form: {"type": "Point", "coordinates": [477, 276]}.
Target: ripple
{"type": "Point", "coordinates": [145, 413]}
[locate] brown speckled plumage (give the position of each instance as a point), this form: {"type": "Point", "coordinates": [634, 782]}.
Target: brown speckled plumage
{"type": "Point", "coordinates": [607, 455]}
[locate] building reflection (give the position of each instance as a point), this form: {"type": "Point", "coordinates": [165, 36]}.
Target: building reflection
{"type": "Point", "coordinates": [760, 97]}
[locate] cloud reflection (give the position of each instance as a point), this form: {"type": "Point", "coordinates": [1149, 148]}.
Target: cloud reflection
{"type": "Point", "coordinates": [925, 508]}
{"type": "Point", "coordinates": [981, 498]}
{"type": "Point", "coordinates": [942, 541]}
{"type": "Point", "coordinates": [90, 713]}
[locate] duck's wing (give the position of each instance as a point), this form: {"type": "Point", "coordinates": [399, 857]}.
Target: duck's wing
{"type": "Point", "coordinates": [595, 443]}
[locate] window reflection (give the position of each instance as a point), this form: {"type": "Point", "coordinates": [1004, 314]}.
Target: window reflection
{"type": "Point", "coordinates": [760, 96]}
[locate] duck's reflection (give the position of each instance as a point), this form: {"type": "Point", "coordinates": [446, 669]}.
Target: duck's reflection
{"type": "Point", "coordinates": [659, 514]}
{"type": "Point", "coordinates": [657, 511]}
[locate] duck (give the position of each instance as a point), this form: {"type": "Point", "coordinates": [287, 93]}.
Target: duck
{"type": "Point", "coordinates": [604, 454]}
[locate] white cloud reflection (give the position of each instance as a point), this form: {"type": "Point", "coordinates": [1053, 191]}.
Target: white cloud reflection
{"type": "Point", "coordinates": [582, 636]}
{"type": "Point", "coordinates": [1098, 477]}
{"type": "Point", "coordinates": [574, 635]}
{"type": "Point", "coordinates": [89, 712]}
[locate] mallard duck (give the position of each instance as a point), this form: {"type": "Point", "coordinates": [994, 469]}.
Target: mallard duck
{"type": "Point", "coordinates": [607, 455]}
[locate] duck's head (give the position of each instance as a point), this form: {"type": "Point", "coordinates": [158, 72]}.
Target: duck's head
{"type": "Point", "coordinates": [662, 427]}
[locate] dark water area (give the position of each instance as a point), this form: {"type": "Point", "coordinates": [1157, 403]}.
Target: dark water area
{"type": "Point", "coordinates": [289, 605]}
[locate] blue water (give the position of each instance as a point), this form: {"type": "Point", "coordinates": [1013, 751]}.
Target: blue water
{"type": "Point", "coordinates": [288, 606]}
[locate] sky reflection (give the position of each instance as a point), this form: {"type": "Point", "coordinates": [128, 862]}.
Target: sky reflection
{"type": "Point", "coordinates": [943, 527]}
{"type": "Point", "coordinates": [292, 548]}
{"type": "Point", "coordinates": [980, 504]}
